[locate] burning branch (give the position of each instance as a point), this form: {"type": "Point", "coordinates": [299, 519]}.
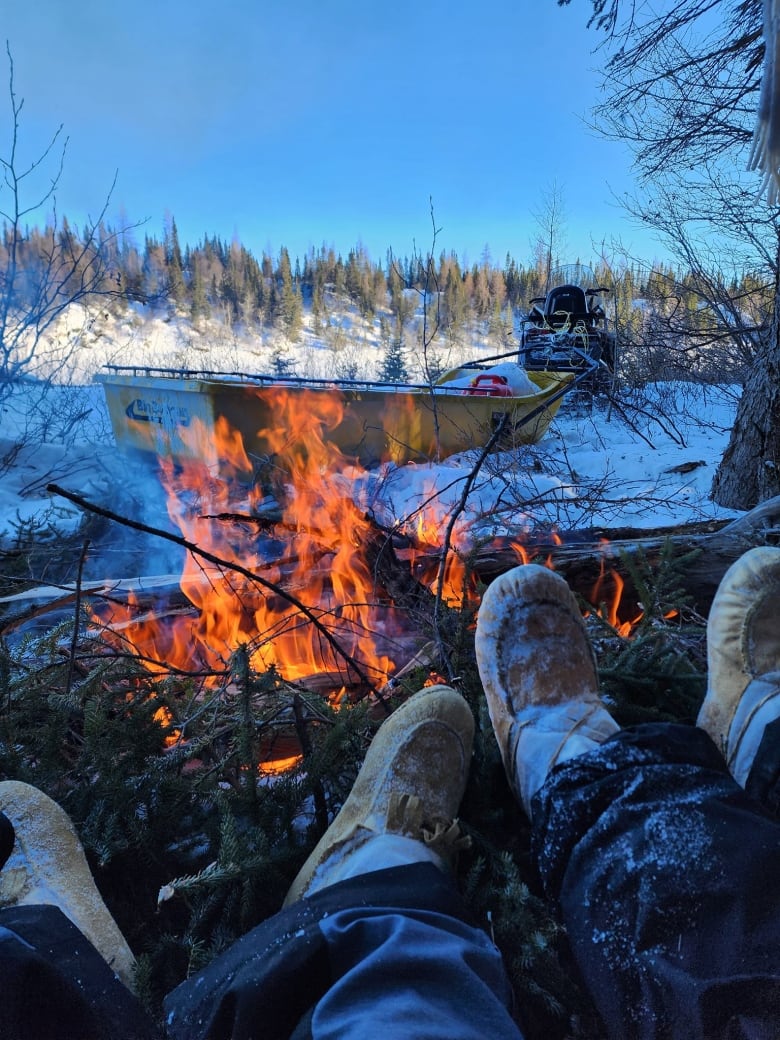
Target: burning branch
{"type": "Point", "coordinates": [226, 565]}
{"type": "Point", "coordinates": [456, 512]}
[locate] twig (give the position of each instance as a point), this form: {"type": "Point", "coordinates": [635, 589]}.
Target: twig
{"type": "Point", "coordinates": [675, 436]}
{"type": "Point", "coordinates": [191, 547]}
{"type": "Point", "coordinates": [76, 610]}
{"type": "Point", "coordinates": [467, 486]}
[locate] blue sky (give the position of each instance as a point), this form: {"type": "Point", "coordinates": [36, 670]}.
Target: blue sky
{"type": "Point", "coordinates": [316, 123]}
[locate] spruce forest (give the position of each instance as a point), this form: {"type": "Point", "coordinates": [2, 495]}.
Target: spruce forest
{"type": "Point", "coordinates": [674, 323]}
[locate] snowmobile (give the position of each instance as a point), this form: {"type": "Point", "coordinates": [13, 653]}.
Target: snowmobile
{"type": "Point", "coordinates": [567, 330]}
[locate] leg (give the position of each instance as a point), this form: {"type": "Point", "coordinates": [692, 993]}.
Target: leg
{"type": "Point", "coordinates": [368, 954]}
{"type": "Point", "coordinates": [658, 862]}
{"type": "Point", "coordinates": [420, 973]}
{"type": "Point", "coordinates": [655, 857]}
{"type": "Point", "coordinates": [56, 983]}
{"type": "Point", "coordinates": [373, 935]}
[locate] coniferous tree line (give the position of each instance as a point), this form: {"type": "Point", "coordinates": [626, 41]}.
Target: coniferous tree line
{"type": "Point", "coordinates": [671, 323]}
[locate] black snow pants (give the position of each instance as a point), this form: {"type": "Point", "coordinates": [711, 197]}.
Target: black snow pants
{"type": "Point", "coordinates": [667, 876]}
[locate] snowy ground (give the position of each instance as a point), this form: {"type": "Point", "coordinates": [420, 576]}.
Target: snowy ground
{"type": "Point", "coordinates": [593, 469]}
{"type": "Point", "coordinates": [647, 463]}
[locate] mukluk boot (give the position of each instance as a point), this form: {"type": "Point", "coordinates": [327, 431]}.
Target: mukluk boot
{"type": "Point", "coordinates": [404, 801]}
{"type": "Point", "coordinates": [46, 865]}
{"type": "Point", "coordinates": [743, 659]}
{"type": "Point", "coordinates": [539, 674]}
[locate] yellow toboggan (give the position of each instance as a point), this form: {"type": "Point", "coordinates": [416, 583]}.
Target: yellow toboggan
{"type": "Point", "coordinates": [176, 412]}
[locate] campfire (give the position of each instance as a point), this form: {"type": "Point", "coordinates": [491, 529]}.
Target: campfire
{"type": "Point", "coordinates": [306, 583]}
{"type": "Point", "coordinates": [314, 608]}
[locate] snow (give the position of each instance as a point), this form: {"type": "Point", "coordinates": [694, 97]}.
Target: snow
{"type": "Point", "coordinates": [646, 463]}
{"type": "Point", "coordinates": [53, 435]}
{"type": "Point", "coordinates": [592, 470]}
{"type": "Point", "coordinates": [516, 379]}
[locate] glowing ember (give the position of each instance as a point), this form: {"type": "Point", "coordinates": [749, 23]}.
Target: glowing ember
{"type": "Point", "coordinates": [280, 765]}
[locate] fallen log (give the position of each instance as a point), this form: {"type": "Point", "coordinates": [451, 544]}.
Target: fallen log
{"type": "Point", "coordinates": [715, 547]}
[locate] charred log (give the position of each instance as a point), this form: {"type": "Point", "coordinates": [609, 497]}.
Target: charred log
{"type": "Point", "coordinates": [714, 547]}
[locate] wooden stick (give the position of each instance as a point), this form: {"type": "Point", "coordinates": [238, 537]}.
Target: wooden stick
{"type": "Point", "coordinates": [196, 550]}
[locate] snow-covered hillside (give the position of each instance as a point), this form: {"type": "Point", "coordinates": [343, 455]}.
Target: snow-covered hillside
{"type": "Point", "coordinates": [342, 345]}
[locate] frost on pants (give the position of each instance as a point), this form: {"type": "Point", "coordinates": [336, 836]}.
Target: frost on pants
{"type": "Point", "coordinates": [659, 862]}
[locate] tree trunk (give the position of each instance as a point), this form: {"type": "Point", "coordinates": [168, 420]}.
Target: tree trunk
{"type": "Point", "coordinates": [749, 471]}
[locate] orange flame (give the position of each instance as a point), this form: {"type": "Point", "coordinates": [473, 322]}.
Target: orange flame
{"type": "Point", "coordinates": [290, 614]}
{"type": "Point", "coordinates": [611, 611]}
{"type": "Point", "coordinates": [164, 717]}
{"type": "Point", "coordinates": [428, 528]}
{"type": "Point", "coordinates": [526, 554]}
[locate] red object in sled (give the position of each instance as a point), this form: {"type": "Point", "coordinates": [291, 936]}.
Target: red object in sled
{"type": "Point", "coordinates": [489, 386]}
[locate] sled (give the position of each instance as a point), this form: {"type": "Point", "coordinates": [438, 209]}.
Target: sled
{"type": "Point", "coordinates": [177, 412]}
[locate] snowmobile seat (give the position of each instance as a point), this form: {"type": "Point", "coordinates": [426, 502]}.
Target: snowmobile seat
{"type": "Point", "coordinates": [566, 304]}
